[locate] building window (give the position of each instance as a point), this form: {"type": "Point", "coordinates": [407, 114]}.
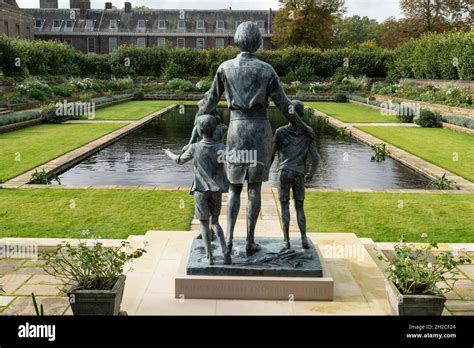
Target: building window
{"type": "Point", "coordinates": [220, 24]}
{"type": "Point", "coordinates": [141, 42]}
{"type": "Point", "coordinates": [261, 25]}
{"type": "Point", "coordinates": [161, 42]}
{"type": "Point", "coordinates": [180, 42]}
{"type": "Point", "coordinates": [181, 24]}
{"type": "Point", "coordinates": [220, 43]}
{"type": "Point", "coordinates": [38, 23]}
{"type": "Point", "coordinates": [56, 24]}
{"type": "Point", "coordinates": [69, 25]}
{"type": "Point", "coordinates": [68, 42]}
{"type": "Point", "coordinates": [89, 24]}
{"type": "Point", "coordinates": [6, 28]}
{"type": "Point", "coordinates": [200, 24]}
{"type": "Point", "coordinates": [112, 44]}
{"type": "Point", "coordinates": [91, 45]}
{"type": "Point", "coordinates": [18, 32]}
{"type": "Point", "coordinates": [113, 24]}
{"type": "Point", "coordinates": [237, 23]}
{"type": "Point", "coordinates": [200, 43]}
{"type": "Point", "coordinates": [141, 24]}
{"type": "Point", "coordinates": [162, 24]}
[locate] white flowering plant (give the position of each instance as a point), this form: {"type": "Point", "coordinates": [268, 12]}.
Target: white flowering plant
{"type": "Point", "coordinates": [79, 84]}
{"type": "Point", "coordinates": [418, 269]}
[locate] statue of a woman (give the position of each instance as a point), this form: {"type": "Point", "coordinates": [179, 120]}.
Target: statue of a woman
{"type": "Point", "coordinates": [248, 84]}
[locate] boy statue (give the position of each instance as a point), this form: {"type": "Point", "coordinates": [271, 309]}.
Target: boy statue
{"type": "Point", "coordinates": [292, 146]}
{"type": "Point", "coordinates": [210, 181]}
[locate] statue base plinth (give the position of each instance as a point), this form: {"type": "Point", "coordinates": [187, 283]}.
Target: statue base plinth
{"type": "Point", "coordinates": [268, 275]}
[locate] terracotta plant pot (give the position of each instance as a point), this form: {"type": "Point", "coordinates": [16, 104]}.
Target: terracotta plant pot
{"type": "Point", "coordinates": [98, 302]}
{"type": "Point", "coordinates": [405, 305]}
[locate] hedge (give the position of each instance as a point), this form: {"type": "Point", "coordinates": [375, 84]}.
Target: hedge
{"type": "Point", "coordinates": [461, 121]}
{"type": "Point", "coordinates": [432, 56]}
{"type": "Point", "coordinates": [304, 64]}
{"type": "Point", "coordinates": [20, 116]}
{"type": "Point", "coordinates": [436, 56]}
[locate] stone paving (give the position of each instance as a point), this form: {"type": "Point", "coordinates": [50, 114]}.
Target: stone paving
{"type": "Point", "coordinates": [358, 276]}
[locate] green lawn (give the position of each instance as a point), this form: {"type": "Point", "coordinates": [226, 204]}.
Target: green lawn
{"type": "Point", "coordinates": [28, 148]}
{"type": "Point", "coordinates": [351, 113]}
{"type": "Point", "coordinates": [132, 110]}
{"type": "Point", "coordinates": [114, 214]}
{"type": "Point", "coordinates": [436, 145]}
{"type": "Point", "coordinates": [444, 217]}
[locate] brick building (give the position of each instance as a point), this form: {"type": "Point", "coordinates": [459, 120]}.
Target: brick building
{"type": "Point", "coordinates": [15, 22]}
{"type": "Point", "coordinates": [103, 30]}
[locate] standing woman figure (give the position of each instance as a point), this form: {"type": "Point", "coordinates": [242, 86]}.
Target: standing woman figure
{"type": "Point", "coordinates": [248, 84]}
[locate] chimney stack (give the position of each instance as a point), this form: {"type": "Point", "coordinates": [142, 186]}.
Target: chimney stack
{"type": "Point", "coordinates": [128, 7]}
{"type": "Point", "coordinates": [48, 3]}
{"type": "Point", "coordinates": [108, 5]}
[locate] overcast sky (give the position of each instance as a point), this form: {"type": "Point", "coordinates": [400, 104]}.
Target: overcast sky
{"type": "Point", "coordinates": [378, 9]}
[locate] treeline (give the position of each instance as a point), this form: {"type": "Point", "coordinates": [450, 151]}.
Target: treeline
{"type": "Point", "coordinates": [443, 56]}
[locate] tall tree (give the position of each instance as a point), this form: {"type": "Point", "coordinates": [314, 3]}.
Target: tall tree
{"type": "Point", "coordinates": [437, 15]}
{"type": "Point", "coordinates": [355, 30]}
{"type": "Point", "coordinates": [394, 32]}
{"type": "Point", "coordinates": [306, 22]}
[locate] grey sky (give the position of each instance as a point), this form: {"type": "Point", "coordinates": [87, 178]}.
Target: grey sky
{"type": "Point", "coordinates": [378, 9]}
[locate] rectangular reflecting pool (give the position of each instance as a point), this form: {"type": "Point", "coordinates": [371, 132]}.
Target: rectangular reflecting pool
{"type": "Point", "coordinates": [138, 159]}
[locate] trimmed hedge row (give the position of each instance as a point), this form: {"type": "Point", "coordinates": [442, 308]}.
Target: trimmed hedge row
{"type": "Point", "coordinates": [304, 64]}
{"type": "Point", "coordinates": [432, 56]}
{"type": "Point", "coordinates": [460, 121]}
{"type": "Point", "coordinates": [436, 56]}
{"type": "Point", "coordinates": [20, 116]}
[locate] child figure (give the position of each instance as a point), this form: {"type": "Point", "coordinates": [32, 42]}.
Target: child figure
{"type": "Point", "coordinates": [218, 135]}
{"type": "Point", "coordinates": [210, 181]}
{"type": "Point", "coordinates": [292, 148]}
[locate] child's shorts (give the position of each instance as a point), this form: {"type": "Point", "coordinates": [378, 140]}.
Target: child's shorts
{"type": "Point", "coordinates": [288, 180]}
{"type": "Point", "coordinates": [207, 204]}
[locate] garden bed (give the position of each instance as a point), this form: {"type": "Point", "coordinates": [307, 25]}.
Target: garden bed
{"type": "Point", "coordinates": [434, 107]}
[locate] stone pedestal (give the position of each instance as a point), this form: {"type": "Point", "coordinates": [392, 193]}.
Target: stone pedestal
{"type": "Point", "coordinates": [268, 275]}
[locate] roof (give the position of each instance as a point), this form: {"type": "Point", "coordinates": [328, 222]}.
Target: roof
{"type": "Point", "coordinates": [157, 21]}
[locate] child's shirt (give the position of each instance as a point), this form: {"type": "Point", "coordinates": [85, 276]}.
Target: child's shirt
{"type": "Point", "coordinates": [209, 166]}
{"type": "Point", "coordinates": [292, 148]}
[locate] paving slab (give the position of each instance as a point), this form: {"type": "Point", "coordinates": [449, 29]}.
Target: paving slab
{"type": "Point", "coordinates": [23, 305]}
{"type": "Point", "coordinates": [11, 282]}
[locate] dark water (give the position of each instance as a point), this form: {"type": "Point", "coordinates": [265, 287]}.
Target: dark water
{"type": "Point", "coordinates": [138, 159]}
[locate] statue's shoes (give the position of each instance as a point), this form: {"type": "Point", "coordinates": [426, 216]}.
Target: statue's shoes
{"type": "Point", "coordinates": [251, 249]}
{"type": "Point", "coordinates": [227, 259]}
{"type": "Point", "coordinates": [304, 243]}
{"type": "Point", "coordinates": [213, 238]}
{"type": "Point", "coordinates": [285, 246]}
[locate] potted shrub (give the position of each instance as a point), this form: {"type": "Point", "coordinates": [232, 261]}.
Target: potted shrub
{"type": "Point", "coordinates": [413, 275]}
{"type": "Point", "coordinates": [92, 275]}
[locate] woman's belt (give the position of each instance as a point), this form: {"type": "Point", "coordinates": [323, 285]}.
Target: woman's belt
{"type": "Point", "coordinates": [248, 115]}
